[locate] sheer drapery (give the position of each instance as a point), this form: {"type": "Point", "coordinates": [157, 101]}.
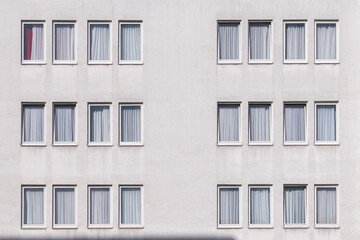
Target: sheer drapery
{"type": "Point", "coordinates": [33, 42]}
{"type": "Point", "coordinates": [64, 206]}
{"type": "Point", "coordinates": [130, 123]}
{"type": "Point", "coordinates": [229, 206]}
{"type": "Point", "coordinates": [33, 121]}
{"type": "Point", "coordinates": [64, 42]}
{"type": "Point", "coordinates": [130, 42]}
{"type": "Point", "coordinates": [259, 206]}
{"type": "Point", "coordinates": [130, 205]}
{"type": "Point", "coordinates": [228, 40]}
{"type": "Point", "coordinates": [325, 123]}
{"type": "Point", "coordinates": [294, 205]}
{"type": "Point", "coordinates": [326, 205]}
{"type": "Point", "coordinates": [295, 41]}
{"type": "Point", "coordinates": [33, 206]}
{"type": "Point", "coordinates": [64, 123]}
{"type": "Point", "coordinates": [228, 121]}
{"type": "Point", "coordinates": [326, 41]}
{"type": "Point", "coordinates": [259, 41]}
{"type": "Point", "coordinates": [99, 124]}
{"type": "Point", "coordinates": [294, 122]}
{"type": "Point", "coordinates": [99, 42]}
{"type": "Point", "coordinates": [259, 123]}
{"type": "Point", "coordinates": [99, 206]}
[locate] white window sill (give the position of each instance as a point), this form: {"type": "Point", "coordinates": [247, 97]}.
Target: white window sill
{"type": "Point", "coordinates": [131, 63]}
{"type": "Point", "coordinates": [267, 61]}
{"type": "Point", "coordinates": [131, 226]}
{"type": "Point", "coordinates": [131, 144]}
{"type": "Point", "coordinates": [229, 144]}
{"type": "Point", "coordinates": [296, 226]}
{"type": "Point", "coordinates": [261, 143]}
{"type": "Point", "coordinates": [99, 144]}
{"type": "Point", "coordinates": [58, 226]}
{"type": "Point", "coordinates": [65, 144]}
{"type": "Point", "coordinates": [229, 62]}
{"type": "Point", "coordinates": [100, 63]}
{"type": "Point", "coordinates": [65, 63]}
{"type": "Point", "coordinates": [34, 144]}
{"type": "Point", "coordinates": [105, 226]}
{"type": "Point", "coordinates": [328, 61]}
{"type": "Point", "coordinates": [320, 226]}
{"type": "Point", "coordinates": [296, 143]}
{"type": "Point", "coordinates": [303, 61]}
{"type": "Point", "coordinates": [229, 226]}
{"type": "Point", "coordinates": [327, 143]}
{"type": "Point", "coordinates": [260, 226]}
{"type": "Point", "coordinates": [33, 226]}
{"type": "Point", "coordinates": [24, 62]}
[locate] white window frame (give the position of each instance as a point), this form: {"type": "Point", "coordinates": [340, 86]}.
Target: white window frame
{"type": "Point", "coordinates": [33, 226]}
{"type": "Point", "coordinates": [141, 143]}
{"type": "Point", "coordinates": [337, 206]}
{"type": "Point", "coordinates": [23, 61]}
{"type": "Point", "coordinates": [64, 62]}
{"type": "Point", "coordinates": [261, 143]}
{"type": "Point", "coordinates": [300, 225]}
{"type": "Point", "coordinates": [295, 61]}
{"type": "Point", "coordinates": [141, 225]}
{"type": "Point", "coordinates": [99, 62]}
{"type": "Point", "coordinates": [131, 62]}
{"type": "Point", "coordinates": [336, 22]}
{"type": "Point", "coordinates": [65, 226]}
{"type": "Point", "coordinates": [99, 226]}
{"type": "Point", "coordinates": [229, 226]}
{"type": "Point", "coordinates": [229, 61]}
{"type": "Point", "coordinates": [111, 125]}
{"type": "Point", "coordinates": [271, 225]}
{"type": "Point", "coordinates": [74, 143]}
{"type": "Point", "coordinates": [327, 143]}
{"type": "Point", "coordinates": [230, 143]}
{"type": "Point", "coordinates": [33, 144]}
{"type": "Point", "coordinates": [271, 31]}
{"type": "Point", "coordinates": [296, 143]}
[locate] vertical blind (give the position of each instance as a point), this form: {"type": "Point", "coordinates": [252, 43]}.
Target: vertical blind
{"type": "Point", "coordinates": [99, 206]}
{"type": "Point", "coordinates": [64, 123]}
{"type": "Point", "coordinates": [295, 41]}
{"type": "Point", "coordinates": [99, 123]}
{"type": "Point", "coordinates": [259, 123]}
{"type": "Point", "coordinates": [326, 123]}
{"type": "Point", "coordinates": [229, 206]}
{"type": "Point", "coordinates": [33, 123]}
{"type": "Point", "coordinates": [33, 42]}
{"type": "Point", "coordinates": [130, 42]}
{"type": "Point", "coordinates": [326, 205]}
{"type": "Point", "coordinates": [326, 41]}
{"type": "Point", "coordinates": [228, 121]}
{"type": "Point", "coordinates": [294, 122]}
{"type": "Point", "coordinates": [130, 123]}
{"type": "Point", "coordinates": [64, 42]}
{"type": "Point", "coordinates": [259, 206]}
{"type": "Point", "coordinates": [64, 206]}
{"type": "Point", "coordinates": [259, 41]}
{"type": "Point", "coordinates": [228, 40]}
{"type": "Point", "coordinates": [130, 205]}
{"type": "Point", "coordinates": [33, 206]}
{"type": "Point", "coordinates": [99, 42]}
{"type": "Point", "coordinates": [294, 205]}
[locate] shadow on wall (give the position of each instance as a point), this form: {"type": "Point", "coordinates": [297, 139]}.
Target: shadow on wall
{"type": "Point", "coordinates": [119, 238]}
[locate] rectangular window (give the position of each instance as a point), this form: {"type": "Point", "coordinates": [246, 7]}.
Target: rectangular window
{"type": "Point", "coordinates": [326, 42]}
{"type": "Point", "coordinates": [64, 124]}
{"type": "Point", "coordinates": [64, 209]}
{"type": "Point", "coordinates": [260, 124]}
{"type": "Point", "coordinates": [130, 41]}
{"type": "Point", "coordinates": [229, 124]}
{"type": "Point", "coordinates": [295, 42]}
{"type": "Point", "coordinates": [295, 126]}
{"type": "Point", "coordinates": [99, 43]}
{"type": "Point", "coordinates": [131, 124]}
{"type": "Point", "coordinates": [33, 210]}
{"type": "Point", "coordinates": [260, 41]}
{"type": "Point", "coordinates": [229, 42]}
{"type": "Point", "coordinates": [100, 207]}
{"type": "Point", "coordinates": [64, 49]}
{"type": "Point", "coordinates": [260, 206]}
{"type": "Point", "coordinates": [33, 47]}
{"type": "Point", "coordinates": [295, 206]}
{"type": "Point", "coordinates": [326, 212]}
{"type": "Point", "coordinates": [33, 124]}
{"type": "Point", "coordinates": [99, 124]}
{"type": "Point", "coordinates": [131, 207]}
{"type": "Point", "coordinates": [229, 213]}
{"type": "Point", "coordinates": [326, 123]}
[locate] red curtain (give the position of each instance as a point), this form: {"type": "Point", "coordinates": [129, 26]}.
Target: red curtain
{"type": "Point", "coordinates": [28, 42]}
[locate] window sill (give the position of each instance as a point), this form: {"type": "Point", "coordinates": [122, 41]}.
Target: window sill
{"type": "Point", "coordinates": [296, 226]}
{"type": "Point", "coordinates": [65, 144]}
{"type": "Point", "coordinates": [336, 61]}
{"type": "Point", "coordinates": [261, 143]}
{"type": "Point", "coordinates": [261, 226]}
{"type": "Point", "coordinates": [131, 63]}
{"type": "Point", "coordinates": [34, 144]}
{"type": "Point", "coordinates": [295, 62]}
{"type": "Point", "coordinates": [33, 226]}
{"type": "Point", "coordinates": [296, 144]}
{"type": "Point", "coordinates": [131, 226]}
{"type": "Point", "coordinates": [229, 226]}
{"type": "Point", "coordinates": [33, 62]}
{"type": "Point", "coordinates": [64, 63]}
{"type": "Point", "coordinates": [131, 144]}
{"type": "Point", "coordinates": [260, 62]}
{"type": "Point", "coordinates": [99, 63]}
{"type": "Point", "coordinates": [229, 144]}
{"type": "Point", "coordinates": [100, 226]}
{"type": "Point", "coordinates": [322, 226]}
{"type": "Point", "coordinates": [65, 226]}
{"type": "Point", "coordinates": [327, 143]}
{"type": "Point", "coordinates": [99, 144]}
{"type": "Point", "coordinates": [229, 62]}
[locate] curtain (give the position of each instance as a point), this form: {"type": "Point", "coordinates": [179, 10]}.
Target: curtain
{"type": "Point", "coordinates": [229, 206]}
{"type": "Point", "coordinates": [99, 206]}
{"type": "Point", "coordinates": [130, 124]}
{"type": "Point", "coordinates": [295, 41]}
{"type": "Point", "coordinates": [259, 121]}
{"type": "Point", "coordinates": [259, 40]}
{"type": "Point", "coordinates": [64, 42]}
{"type": "Point", "coordinates": [33, 206]}
{"type": "Point", "coordinates": [130, 206]}
{"type": "Point", "coordinates": [64, 123]}
{"type": "Point", "coordinates": [326, 123]}
{"type": "Point", "coordinates": [99, 42]}
{"type": "Point", "coordinates": [99, 124]}
{"type": "Point", "coordinates": [130, 42]}
{"type": "Point", "coordinates": [228, 39]}
{"type": "Point", "coordinates": [326, 41]}
{"type": "Point", "coordinates": [326, 205]}
{"type": "Point", "coordinates": [294, 205]}
{"type": "Point", "coordinates": [260, 206]}
{"type": "Point", "coordinates": [64, 206]}
{"type": "Point", "coordinates": [33, 123]}
{"type": "Point", "coordinates": [294, 121]}
{"type": "Point", "coordinates": [33, 42]}
{"type": "Point", "coordinates": [228, 122]}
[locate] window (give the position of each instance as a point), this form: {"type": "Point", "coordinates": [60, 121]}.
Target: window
{"type": "Point", "coordinates": [260, 124]}
{"type": "Point", "coordinates": [326, 212]}
{"type": "Point", "coordinates": [64, 49]}
{"type": "Point", "coordinates": [295, 39]}
{"type": "Point", "coordinates": [326, 123]}
{"type": "Point", "coordinates": [100, 124]}
{"type": "Point", "coordinates": [295, 206]}
{"type": "Point", "coordinates": [33, 124]}
{"type": "Point", "coordinates": [260, 212]}
{"type": "Point", "coordinates": [326, 42]}
{"type": "Point", "coordinates": [229, 42]}
{"type": "Point", "coordinates": [99, 43]}
{"type": "Point", "coordinates": [33, 43]}
{"type": "Point", "coordinates": [130, 42]}
{"type": "Point", "coordinates": [260, 42]}
{"type": "Point", "coordinates": [100, 207]}
{"type": "Point", "coordinates": [131, 124]}
{"type": "Point", "coordinates": [33, 210]}
{"type": "Point", "coordinates": [229, 199]}
{"type": "Point", "coordinates": [64, 124]}
{"type": "Point", "coordinates": [295, 126]}
{"type": "Point", "coordinates": [131, 207]}
{"type": "Point", "coordinates": [229, 124]}
{"type": "Point", "coordinates": [64, 207]}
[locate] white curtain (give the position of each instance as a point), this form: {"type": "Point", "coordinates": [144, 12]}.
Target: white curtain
{"type": "Point", "coordinates": [228, 122]}
{"type": "Point", "coordinates": [295, 41]}
{"type": "Point", "coordinates": [326, 41]}
{"type": "Point", "coordinates": [130, 124]}
{"type": "Point", "coordinates": [64, 206]}
{"type": "Point", "coordinates": [130, 41]}
{"type": "Point", "coordinates": [228, 40]}
{"type": "Point", "coordinates": [34, 42]}
{"type": "Point", "coordinates": [33, 206]}
{"type": "Point", "coordinates": [294, 205]}
{"type": "Point", "coordinates": [229, 206]}
{"type": "Point", "coordinates": [259, 40]}
{"type": "Point", "coordinates": [260, 206]}
{"type": "Point", "coordinates": [64, 42]}
{"type": "Point", "coordinates": [259, 121]}
{"type": "Point", "coordinates": [33, 123]}
{"type": "Point", "coordinates": [326, 205]}
{"type": "Point", "coordinates": [326, 123]}
{"type": "Point", "coordinates": [99, 124]}
{"type": "Point", "coordinates": [99, 206]}
{"type": "Point", "coordinates": [99, 42]}
{"type": "Point", "coordinates": [294, 121]}
{"type": "Point", "coordinates": [130, 206]}
{"type": "Point", "coordinates": [64, 123]}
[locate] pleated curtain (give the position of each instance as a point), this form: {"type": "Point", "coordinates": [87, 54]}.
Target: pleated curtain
{"type": "Point", "coordinates": [326, 205]}
{"type": "Point", "coordinates": [130, 206]}
{"type": "Point", "coordinates": [130, 123]}
{"type": "Point", "coordinates": [326, 123]}
{"type": "Point", "coordinates": [33, 123]}
{"type": "Point", "coordinates": [295, 41]}
{"type": "Point", "coordinates": [259, 123]}
{"type": "Point", "coordinates": [228, 40]}
{"type": "Point", "coordinates": [33, 206]}
{"type": "Point", "coordinates": [259, 206]}
{"type": "Point", "coordinates": [99, 206]}
{"type": "Point", "coordinates": [326, 41]}
{"type": "Point", "coordinates": [228, 121]}
{"type": "Point", "coordinates": [33, 42]}
{"type": "Point", "coordinates": [130, 42]}
{"type": "Point", "coordinates": [99, 42]}
{"type": "Point", "coordinates": [99, 124]}
{"type": "Point", "coordinates": [294, 123]}
{"type": "Point", "coordinates": [294, 205]}
{"type": "Point", "coordinates": [229, 206]}
{"type": "Point", "coordinates": [64, 206]}
{"type": "Point", "coordinates": [64, 42]}
{"type": "Point", "coordinates": [64, 123]}
{"type": "Point", "coordinates": [259, 41]}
